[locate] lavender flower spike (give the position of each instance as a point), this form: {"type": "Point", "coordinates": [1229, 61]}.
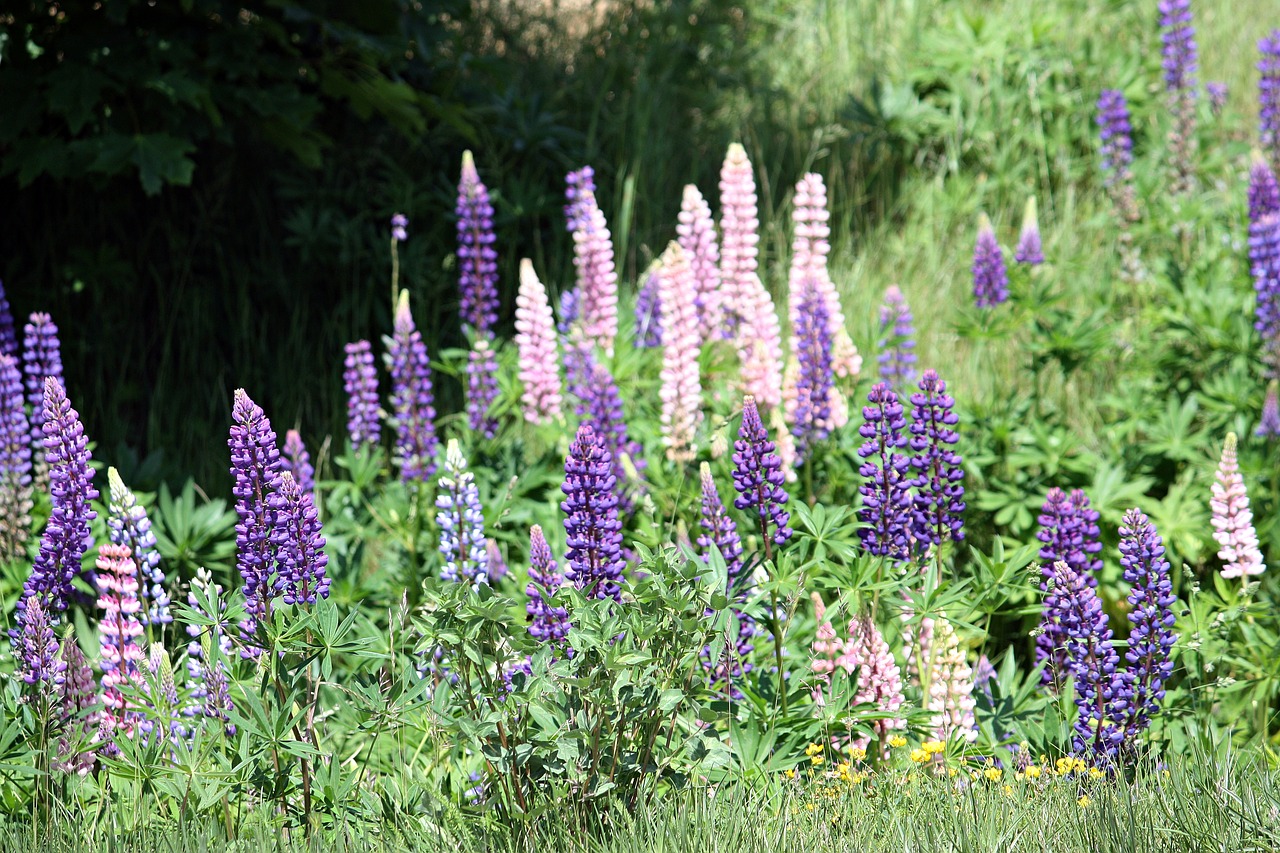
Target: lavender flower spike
{"type": "Point", "coordinates": [548, 623]}
{"type": "Point", "coordinates": [1151, 637]}
{"type": "Point", "coordinates": [1269, 96]}
{"type": "Point", "coordinates": [399, 227]}
{"type": "Point", "coordinates": [299, 544]}
{"type": "Point", "coordinates": [897, 341]}
{"type": "Point", "coordinates": [412, 401]}
{"type": "Point", "coordinates": [1180, 63]}
{"type": "Point", "coordinates": [1264, 260]}
{"type": "Point", "coordinates": [482, 388]}
{"type": "Point", "coordinates": [1069, 533]}
{"type": "Point", "coordinates": [649, 310]}
{"type": "Point", "coordinates": [1093, 662]}
{"type": "Point", "coordinates": [939, 493]}
{"type": "Point", "coordinates": [1217, 97]}
{"type": "Point", "coordinates": [1269, 425]}
{"type": "Point", "coordinates": [128, 526]}
{"type": "Point", "coordinates": [15, 463]}
{"type": "Point", "coordinates": [1029, 250]}
{"type": "Point", "coordinates": [297, 461]}
{"type": "Point", "coordinates": [8, 334]}
{"type": "Point", "coordinates": [37, 647]}
{"type": "Point", "coordinates": [593, 530]}
{"type": "Point", "coordinates": [1264, 189]}
{"type": "Point", "coordinates": [811, 412]}
{"type": "Point", "coordinates": [477, 260]}
{"type": "Point", "coordinates": [42, 358]}
{"type": "Point", "coordinates": [758, 478]}
{"type": "Point", "coordinates": [461, 522]}
{"type": "Point", "coordinates": [256, 467]}
{"type": "Point", "coordinates": [886, 512]}
{"type": "Point", "coordinates": [361, 382]}
{"type": "Point", "coordinates": [990, 281]}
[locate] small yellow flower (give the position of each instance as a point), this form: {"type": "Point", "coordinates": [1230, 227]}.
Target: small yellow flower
{"type": "Point", "coordinates": [952, 772]}
{"type": "Point", "coordinates": [919, 756]}
{"type": "Point", "coordinates": [791, 774]}
{"type": "Point", "coordinates": [817, 760]}
{"type": "Point", "coordinates": [811, 806]}
{"type": "Point", "coordinates": [1084, 801]}
{"type": "Point", "coordinates": [1033, 771]}
{"type": "Point", "coordinates": [933, 747]}
{"type": "Point", "coordinates": [1008, 790]}
{"type": "Point", "coordinates": [813, 749]}
{"type": "Point", "coordinates": [993, 774]}
{"type": "Point", "coordinates": [897, 741]}
{"type": "Point", "coordinates": [1096, 773]}
{"type": "Point", "coordinates": [859, 754]}
{"type": "Point", "coordinates": [858, 778]}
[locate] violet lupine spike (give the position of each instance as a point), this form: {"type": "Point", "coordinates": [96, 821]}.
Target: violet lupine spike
{"type": "Point", "coordinates": [360, 380]}
{"type": "Point", "coordinates": [758, 478]}
{"type": "Point", "coordinates": [990, 279]}
{"type": "Point", "coordinates": [297, 461]}
{"type": "Point", "coordinates": [1217, 93]}
{"type": "Point", "coordinates": [810, 247]}
{"type": "Point", "coordinates": [461, 522]}
{"type": "Point", "coordinates": [539, 356]}
{"type": "Point", "coordinates": [67, 536]}
{"type": "Point", "coordinates": [412, 401]}
{"type": "Point", "coordinates": [739, 237]}
{"type": "Point", "coordinates": [983, 674]}
{"type": "Point", "coordinates": [128, 526]}
{"type": "Point", "coordinates": [897, 341]}
{"type": "Point", "coordinates": [580, 185]}
{"type": "Point", "coordinates": [1264, 189]}
{"type": "Point", "coordinates": [399, 227]}
{"type": "Point", "coordinates": [600, 405]}
{"type": "Point", "coordinates": [76, 695]}
{"type": "Point", "coordinates": [811, 339]}
{"type": "Point", "coordinates": [720, 531]}
{"type": "Point", "coordinates": [1180, 63]}
{"type": "Point", "coordinates": [597, 279]}
{"type": "Point", "coordinates": [256, 467]}
{"type": "Point", "coordinates": [1264, 261]}
{"type": "Point", "coordinates": [1029, 250]}
{"type": "Point", "coordinates": [37, 647]}
{"type": "Point", "coordinates": [1093, 663]}
{"type": "Point", "coordinates": [8, 332]}
{"type": "Point", "coordinates": [477, 259]}
{"type": "Point", "coordinates": [41, 358]}
{"type": "Point", "coordinates": [1233, 519]}
{"type": "Point", "coordinates": [1069, 532]}
{"type": "Point", "coordinates": [886, 512]}
{"type": "Point", "coordinates": [497, 564]}
{"type": "Point", "coordinates": [1116, 134]}
{"type": "Point", "coordinates": [1269, 96]}
{"type": "Point", "coordinates": [548, 623]}
{"type": "Point", "coordinates": [119, 631]}
{"type": "Point", "coordinates": [939, 491]}
{"type": "Point", "coordinates": [1151, 620]}
{"type": "Point", "coordinates": [299, 544]}
{"type": "Point", "coordinates": [482, 388]}
{"type": "Point", "coordinates": [15, 463]}
{"type": "Point", "coordinates": [648, 332]}
{"type": "Point", "coordinates": [593, 531]}
{"type": "Point", "coordinates": [759, 344]}
{"type": "Point", "coordinates": [951, 686]}
{"type": "Point", "coordinates": [879, 681]}
{"type": "Point", "coordinates": [681, 388]}
{"type": "Point", "coordinates": [697, 237]}
{"type": "Point", "coordinates": [1269, 424]}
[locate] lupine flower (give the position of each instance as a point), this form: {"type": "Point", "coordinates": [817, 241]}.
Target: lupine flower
{"type": "Point", "coordinates": [536, 341]}
{"type": "Point", "coordinates": [1180, 63]}
{"type": "Point", "coordinates": [681, 389]}
{"type": "Point", "coordinates": [950, 693]}
{"type": "Point", "coordinates": [597, 288]}
{"type": "Point", "coordinates": [879, 681]}
{"type": "Point", "coordinates": [810, 247]}
{"type": "Point", "coordinates": [580, 185]}
{"type": "Point", "coordinates": [1269, 425]}
{"type": "Point", "coordinates": [76, 694]}
{"type": "Point", "coordinates": [1029, 250]}
{"type": "Point", "coordinates": [1264, 260]}
{"type": "Point", "coordinates": [163, 702]}
{"type": "Point", "coordinates": [811, 414]}
{"type": "Point", "coordinates": [360, 379]}
{"type": "Point", "coordinates": [1151, 620]}
{"type": "Point", "coordinates": [990, 280]}
{"type": "Point", "coordinates": [600, 405]}
{"type": "Point", "coordinates": [399, 227]}
{"type": "Point", "coordinates": [570, 308]}
{"type": "Point", "coordinates": [256, 467]}
{"type": "Point", "coordinates": [758, 478]}
{"type": "Point", "coordinates": [759, 344]}
{"type": "Point", "coordinates": [477, 260]}
{"type": "Point", "coordinates": [119, 630]}
{"type": "Point", "coordinates": [1092, 660]}
{"type": "Point", "coordinates": [739, 237]}
{"type": "Point", "coordinates": [1264, 190]}
{"type": "Point", "coordinates": [67, 536]}
{"type": "Point", "coordinates": [1233, 520]}
{"type": "Point", "coordinates": [886, 512]}
{"type": "Point", "coordinates": [1116, 135]}
{"type": "Point", "coordinates": [939, 493]}
{"type": "Point", "coordinates": [412, 402]}
{"type": "Point", "coordinates": [297, 461]}
{"type": "Point", "coordinates": [719, 530]}
{"type": "Point", "coordinates": [37, 647]}
{"type": "Point", "coordinates": [8, 333]}
{"type": "Point", "coordinates": [593, 532]}
{"type": "Point", "coordinates": [697, 237]}
{"type": "Point", "coordinates": [482, 388]}
{"type": "Point", "coordinates": [649, 310]}
{"type": "Point", "coordinates": [299, 544]}
{"type": "Point", "coordinates": [1217, 97]}
{"type": "Point", "coordinates": [497, 565]}
{"type": "Point", "coordinates": [41, 358]}
{"type": "Point", "coordinates": [547, 622]}
{"type": "Point", "coordinates": [1069, 533]}
{"type": "Point", "coordinates": [207, 683]}
{"type": "Point", "coordinates": [897, 341]}
{"type": "Point", "coordinates": [785, 443]}
{"type": "Point", "coordinates": [461, 522]}
{"type": "Point", "coordinates": [983, 674]}
{"type": "Point", "coordinates": [1269, 96]}
{"type": "Point", "coordinates": [128, 526]}
{"type": "Point", "coordinates": [15, 463]}
{"type": "Point", "coordinates": [825, 650]}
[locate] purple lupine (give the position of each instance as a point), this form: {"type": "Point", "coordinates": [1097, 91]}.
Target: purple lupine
{"type": "Point", "coordinates": [360, 379]}
{"type": "Point", "coordinates": [128, 525]}
{"type": "Point", "coordinates": [15, 463]}
{"type": "Point", "coordinates": [76, 695]}
{"type": "Point", "coordinates": [299, 544]}
{"type": "Point", "coordinates": [1264, 261]}
{"type": "Point", "coordinates": [1151, 619]}
{"type": "Point", "coordinates": [1093, 663]}
{"type": "Point", "coordinates": [758, 478]}
{"type": "Point", "coordinates": [580, 185]}
{"type": "Point", "coordinates": [1264, 189]}
{"type": "Point", "coordinates": [1217, 93]}
{"type": "Point", "coordinates": [983, 674]}
{"type": "Point", "coordinates": [41, 358]}
{"type": "Point", "coordinates": [256, 467]}
{"type": "Point", "coordinates": [600, 405]}
{"type": "Point", "coordinates": [207, 684]}
{"type": "Point", "coordinates": [570, 310]}
{"type": "Point", "coordinates": [412, 400]}
{"type": "Point", "coordinates": [1269, 424]}
{"type": "Point", "coordinates": [990, 280]}
{"type": "Point", "coordinates": [649, 312]}
{"type": "Point", "coordinates": [1269, 96]}
{"type": "Point", "coordinates": [886, 512]}
{"type": "Point", "coordinates": [8, 332]}
{"type": "Point", "coordinates": [461, 522]}
{"type": "Point", "coordinates": [1116, 132]}
{"type": "Point", "coordinates": [37, 648]}
{"type": "Point", "coordinates": [897, 341]}
{"type": "Point", "coordinates": [477, 259]}
{"type": "Point", "coordinates": [1069, 533]}
{"type": "Point", "coordinates": [67, 536]}
{"type": "Point", "coordinates": [1029, 250]}
{"type": "Point", "coordinates": [297, 461]}
{"type": "Point", "coordinates": [939, 492]}
{"type": "Point", "coordinates": [399, 227]}
{"type": "Point", "coordinates": [593, 531]}
{"type": "Point", "coordinates": [482, 388]}
{"type": "Point", "coordinates": [1180, 64]}
{"type": "Point", "coordinates": [812, 343]}
{"type": "Point", "coordinates": [548, 623]}
{"type": "Point", "coordinates": [720, 531]}
{"type": "Point", "coordinates": [497, 564]}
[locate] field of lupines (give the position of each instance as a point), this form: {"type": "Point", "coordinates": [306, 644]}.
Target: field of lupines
{"type": "Point", "coordinates": [689, 551]}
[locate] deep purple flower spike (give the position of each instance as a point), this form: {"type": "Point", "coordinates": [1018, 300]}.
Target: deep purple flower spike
{"type": "Point", "coordinates": [1151, 619]}
{"type": "Point", "coordinates": [939, 491]}
{"type": "Point", "coordinates": [990, 280]}
{"type": "Point", "coordinates": [42, 358]}
{"type": "Point", "coordinates": [548, 623]}
{"type": "Point", "coordinates": [758, 478]}
{"type": "Point", "coordinates": [1069, 533]}
{"type": "Point", "coordinates": [593, 531]}
{"type": "Point", "coordinates": [360, 379]}
{"type": "Point", "coordinates": [814, 384]}
{"type": "Point", "coordinates": [1180, 63]}
{"type": "Point", "coordinates": [297, 461]}
{"type": "Point", "coordinates": [15, 463]}
{"type": "Point", "coordinates": [299, 544]}
{"type": "Point", "coordinates": [412, 398]}
{"type": "Point", "coordinates": [1269, 96]}
{"type": "Point", "coordinates": [256, 467]}
{"type": "Point", "coordinates": [477, 259]}
{"type": "Point", "coordinates": [897, 341]}
{"type": "Point", "coordinates": [886, 512]}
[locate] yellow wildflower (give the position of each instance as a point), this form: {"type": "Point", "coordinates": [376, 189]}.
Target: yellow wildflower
{"type": "Point", "coordinates": [1008, 790]}
{"type": "Point", "coordinates": [1096, 773]}
{"type": "Point", "coordinates": [993, 773]}
{"type": "Point", "coordinates": [813, 749]}
{"type": "Point", "coordinates": [791, 773]}
{"type": "Point", "coordinates": [859, 754]}
{"type": "Point", "coordinates": [933, 747]}
{"type": "Point", "coordinates": [1033, 771]}
{"type": "Point", "coordinates": [919, 756]}
{"type": "Point", "coordinates": [1084, 801]}
{"type": "Point", "coordinates": [897, 741]}
{"type": "Point", "coordinates": [817, 760]}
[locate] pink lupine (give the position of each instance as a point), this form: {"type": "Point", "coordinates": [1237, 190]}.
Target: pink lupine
{"type": "Point", "coordinates": [597, 278]}
{"type": "Point", "coordinates": [879, 680]}
{"type": "Point", "coordinates": [950, 685]}
{"type": "Point", "coordinates": [681, 389]}
{"type": "Point", "coordinates": [1233, 520]}
{"type": "Point", "coordinates": [536, 341]}
{"type": "Point", "coordinates": [759, 344]}
{"type": "Point", "coordinates": [739, 238]}
{"type": "Point", "coordinates": [826, 647]}
{"type": "Point", "coordinates": [697, 237]}
{"type": "Point", "coordinates": [810, 246]}
{"type": "Point", "coordinates": [119, 630]}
